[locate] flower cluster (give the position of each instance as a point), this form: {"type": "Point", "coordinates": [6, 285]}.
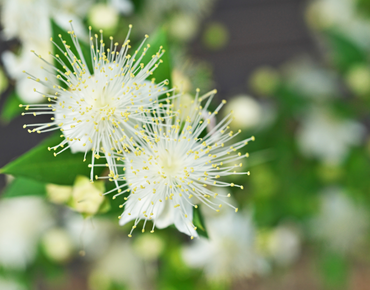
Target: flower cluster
{"type": "Point", "coordinates": [173, 154]}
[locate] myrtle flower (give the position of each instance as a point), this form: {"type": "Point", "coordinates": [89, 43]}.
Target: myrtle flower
{"type": "Point", "coordinates": [177, 164]}
{"type": "Point", "coordinates": [231, 251]}
{"type": "Point", "coordinates": [98, 111]}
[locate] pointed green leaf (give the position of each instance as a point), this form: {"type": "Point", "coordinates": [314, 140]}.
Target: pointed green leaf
{"type": "Point", "coordinates": [24, 187]}
{"type": "Point", "coordinates": [198, 221]}
{"type": "Point", "coordinates": [41, 165]}
{"type": "Point", "coordinates": [11, 108]}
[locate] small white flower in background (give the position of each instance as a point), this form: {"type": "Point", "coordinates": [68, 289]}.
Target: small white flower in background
{"type": "Point", "coordinates": [327, 137]}
{"type": "Point", "coordinates": [99, 112]}
{"type": "Point", "coordinates": [148, 247]}
{"type": "Point", "coordinates": [180, 81]}
{"type": "Point", "coordinates": [119, 265]}
{"type": "Point", "coordinates": [183, 26]}
{"type": "Point", "coordinates": [10, 284]}
{"type": "Point", "coordinates": [284, 244]}
{"type": "Point", "coordinates": [230, 252]}
{"type": "Point", "coordinates": [311, 80]}
{"type": "Point", "coordinates": [343, 15]}
{"type": "Point", "coordinates": [27, 20]}
{"type": "Point", "coordinates": [358, 80]}
{"type": "Point", "coordinates": [22, 220]}
{"type": "Point", "coordinates": [59, 194]}
{"type": "Point", "coordinates": [87, 197]}
{"type": "Point", "coordinates": [91, 236]}
{"type": "Point", "coordinates": [57, 245]}
{"type": "Point", "coordinates": [172, 164]}
{"type": "Point", "coordinates": [341, 223]}
{"type": "Point", "coordinates": [103, 16]}
{"type": "Point", "coordinates": [124, 7]}
{"type": "Point", "coordinates": [247, 112]}
{"type": "Point", "coordinates": [15, 64]}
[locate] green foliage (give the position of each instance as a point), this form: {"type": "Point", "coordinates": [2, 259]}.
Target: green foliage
{"type": "Point", "coordinates": [11, 108]}
{"type": "Point", "coordinates": [198, 221]}
{"type": "Point", "coordinates": [41, 165]}
{"type": "Point", "coordinates": [24, 187]}
{"type": "Point", "coordinates": [344, 53]}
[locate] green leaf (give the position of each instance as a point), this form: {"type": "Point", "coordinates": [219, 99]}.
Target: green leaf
{"type": "Point", "coordinates": [11, 108]}
{"type": "Point", "coordinates": [24, 187]}
{"type": "Point", "coordinates": [198, 221]}
{"type": "Point", "coordinates": [344, 52]}
{"type": "Point", "coordinates": [41, 165]}
{"type": "Point", "coordinates": [163, 72]}
{"type": "Point", "coordinates": [59, 34]}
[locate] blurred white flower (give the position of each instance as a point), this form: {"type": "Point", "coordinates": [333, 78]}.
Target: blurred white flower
{"type": "Point", "coordinates": [10, 284]}
{"type": "Point", "coordinates": [119, 265]}
{"type": "Point", "coordinates": [183, 26]}
{"type": "Point", "coordinates": [343, 15]}
{"type": "Point", "coordinates": [230, 252]}
{"type": "Point", "coordinates": [326, 137]}
{"type": "Point", "coordinates": [87, 197]}
{"type": "Point", "coordinates": [15, 65]}
{"type": "Point", "coordinates": [62, 11]}
{"type": "Point", "coordinates": [358, 79]}
{"type": "Point", "coordinates": [181, 81]}
{"type": "Point", "coordinates": [247, 112]}
{"type": "Point", "coordinates": [57, 244]}
{"type": "Point", "coordinates": [22, 220]}
{"type": "Point", "coordinates": [27, 20]}
{"type": "Point", "coordinates": [284, 244]}
{"type": "Point", "coordinates": [59, 194]}
{"type": "Point", "coordinates": [92, 236]}
{"type": "Point", "coordinates": [148, 247]}
{"type": "Point", "coordinates": [341, 223]}
{"type": "Point", "coordinates": [311, 80]}
{"type": "Point", "coordinates": [103, 16]}
{"type": "Point", "coordinates": [124, 7]}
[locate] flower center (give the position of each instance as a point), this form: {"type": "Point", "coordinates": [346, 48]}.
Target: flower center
{"type": "Point", "coordinates": [171, 165]}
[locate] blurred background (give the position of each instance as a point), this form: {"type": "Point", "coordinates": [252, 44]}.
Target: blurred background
{"type": "Point", "coordinates": [297, 76]}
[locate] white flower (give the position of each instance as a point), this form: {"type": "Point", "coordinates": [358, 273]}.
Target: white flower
{"type": "Point", "coordinates": [92, 236]}
{"type": "Point", "coordinates": [326, 137]}
{"type": "Point", "coordinates": [103, 16]}
{"type": "Point", "coordinates": [119, 265]}
{"type": "Point", "coordinates": [99, 111]}
{"type": "Point", "coordinates": [230, 252]}
{"type": "Point", "coordinates": [123, 6]}
{"type": "Point", "coordinates": [247, 112]}
{"type": "Point", "coordinates": [174, 163]}
{"type": "Point", "coordinates": [57, 245]}
{"type": "Point", "coordinates": [284, 244]}
{"type": "Point", "coordinates": [22, 220]}
{"type": "Point", "coordinates": [311, 80]}
{"type": "Point", "coordinates": [341, 223]}
{"type": "Point", "coordinates": [27, 20]}
{"type": "Point", "coordinates": [14, 65]}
